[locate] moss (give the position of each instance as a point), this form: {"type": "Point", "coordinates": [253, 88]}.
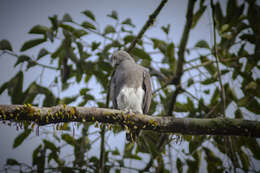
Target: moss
{"type": "Point", "coordinates": [96, 124]}
{"type": "Point", "coordinates": [73, 111]}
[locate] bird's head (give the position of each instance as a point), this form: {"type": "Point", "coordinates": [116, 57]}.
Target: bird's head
{"type": "Point", "coordinates": [120, 56]}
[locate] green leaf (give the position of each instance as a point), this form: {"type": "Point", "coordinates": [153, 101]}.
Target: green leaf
{"type": "Point", "coordinates": [38, 29]}
{"type": "Point", "coordinates": [84, 91]}
{"type": "Point", "coordinates": [218, 15]}
{"type": "Point", "coordinates": [195, 143]}
{"type": "Point", "coordinates": [224, 28]}
{"type": "Point", "coordinates": [42, 53]}
{"type": "Point", "coordinates": [30, 64]}
{"type": "Point", "coordinates": [54, 156]}
{"type": "Point", "coordinates": [5, 45]}
{"type": "Point", "coordinates": [88, 25]}
{"type": "Point", "coordinates": [95, 45]}
{"type": "Point", "coordinates": [128, 21]}
{"type": "Point", "coordinates": [31, 43]}
{"type": "Point", "coordinates": [21, 59]}
{"type": "Point", "coordinates": [109, 29]}
{"type": "Point", "coordinates": [54, 21]}
{"type": "Point", "coordinates": [79, 33]}
{"type": "Point", "coordinates": [193, 165]}
{"type": "Point", "coordinates": [214, 163]}
{"type": "Point", "coordinates": [113, 15]}
{"type": "Point", "coordinates": [35, 154]}
{"type": "Point", "coordinates": [34, 89]}
{"type": "Point", "coordinates": [116, 152]}
{"type": "Point", "coordinates": [254, 146]}
{"type": "Point", "coordinates": [68, 100]}
{"type": "Point", "coordinates": [50, 145]}
{"type": "Point", "coordinates": [210, 67]}
{"type": "Point", "coordinates": [166, 29]}
{"type": "Point", "coordinates": [245, 160]}
{"type": "Point", "coordinates": [3, 87]}
{"type": "Point", "coordinates": [253, 106]}
{"type": "Point", "coordinates": [68, 139]}
{"type": "Point", "coordinates": [140, 53]}
{"type": "Point", "coordinates": [197, 15]}
{"type": "Point", "coordinates": [12, 162]}
{"type": "Point", "coordinates": [15, 88]}
{"type": "Point", "coordinates": [208, 81]}
{"type": "Point", "coordinates": [67, 27]}
{"type": "Point", "coordinates": [128, 38]}
{"type": "Point", "coordinates": [179, 165]}
{"type": "Point", "coordinates": [58, 51]}
{"type": "Point", "coordinates": [30, 93]}
{"type": "Point", "coordinates": [238, 113]}
{"type": "Point", "coordinates": [89, 14]}
{"type": "Point", "coordinates": [202, 44]}
{"type": "Point", "coordinates": [215, 97]}
{"type": "Point", "coordinates": [128, 152]}
{"type": "Point", "coordinates": [162, 45]}
{"type": "Point", "coordinates": [67, 18]}
{"type": "Point", "coordinates": [179, 107]}
{"type": "Point", "coordinates": [21, 137]}
{"type": "Point", "coordinates": [190, 82]}
{"type": "Point", "coordinates": [170, 58]}
{"type": "Point", "coordinates": [170, 50]}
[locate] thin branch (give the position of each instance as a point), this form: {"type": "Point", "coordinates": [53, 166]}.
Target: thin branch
{"type": "Point", "coordinates": [95, 32]}
{"type": "Point", "coordinates": [37, 63]}
{"type": "Point", "coordinates": [177, 78]}
{"type": "Point", "coordinates": [164, 124]}
{"type": "Point", "coordinates": [149, 22]}
{"type": "Point", "coordinates": [181, 58]}
{"type": "Point", "coordinates": [158, 74]}
{"type": "Point", "coordinates": [223, 96]}
{"type": "Point", "coordinates": [198, 66]}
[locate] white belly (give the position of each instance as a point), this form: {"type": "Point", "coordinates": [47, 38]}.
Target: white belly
{"type": "Point", "coordinates": [131, 99]}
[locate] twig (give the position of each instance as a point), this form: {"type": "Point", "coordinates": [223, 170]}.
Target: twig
{"type": "Point", "coordinates": [198, 66]}
{"type": "Point", "coordinates": [37, 63]}
{"type": "Point", "coordinates": [223, 96]}
{"type": "Point", "coordinates": [158, 74]}
{"type": "Point", "coordinates": [149, 22]}
{"type": "Point", "coordinates": [94, 31]}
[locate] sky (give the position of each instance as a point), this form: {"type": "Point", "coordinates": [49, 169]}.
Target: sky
{"type": "Point", "coordinates": [17, 17]}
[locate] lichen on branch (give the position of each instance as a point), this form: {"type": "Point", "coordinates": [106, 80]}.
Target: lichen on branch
{"type": "Point", "coordinates": [162, 124]}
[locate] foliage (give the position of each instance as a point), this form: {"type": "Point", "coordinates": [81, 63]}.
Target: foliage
{"type": "Point", "coordinates": [79, 60]}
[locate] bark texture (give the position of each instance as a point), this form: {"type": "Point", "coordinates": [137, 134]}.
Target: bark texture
{"type": "Point", "coordinates": [163, 124]}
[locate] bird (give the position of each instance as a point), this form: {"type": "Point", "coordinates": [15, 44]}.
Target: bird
{"type": "Point", "coordinates": [130, 88]}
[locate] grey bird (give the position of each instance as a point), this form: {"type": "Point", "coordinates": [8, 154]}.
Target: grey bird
{"type": "Point", "coordinates": [130, 87]}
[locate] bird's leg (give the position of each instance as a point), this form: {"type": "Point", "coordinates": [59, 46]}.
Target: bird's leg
{"type": "Point", "coordinates": [128, 111]}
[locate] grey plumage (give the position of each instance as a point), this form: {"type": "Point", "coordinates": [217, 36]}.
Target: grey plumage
{"type": "Point", "coordinates": [130, 87]}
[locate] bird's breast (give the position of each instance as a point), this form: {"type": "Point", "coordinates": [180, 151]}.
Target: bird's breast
{"type": "Point", "coordinates": [131, 99]}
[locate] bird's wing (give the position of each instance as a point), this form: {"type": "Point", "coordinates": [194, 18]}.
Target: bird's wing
{"type": "Point", "coordinates": [113, 90]}
{"type": "Point", "coordinates": [148, 91]}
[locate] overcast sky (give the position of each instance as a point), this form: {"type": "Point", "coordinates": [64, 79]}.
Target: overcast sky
{"type": "Point", "coordinates": [17, 17]}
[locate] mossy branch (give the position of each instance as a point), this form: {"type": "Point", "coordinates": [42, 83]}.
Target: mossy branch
{"type": "Point", "coordinates": [163, 124]}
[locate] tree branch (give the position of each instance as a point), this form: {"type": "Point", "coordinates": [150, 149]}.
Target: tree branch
{"type": "Point", "coordinates": [166, 124]}
{"type": "Point", "coordinates": [33, 61]}
{"type": "Point", "coordinates": [149, 22]}
{"type": "Point", "coordinates": [184, 39]}
{"type": "Point", "coordinates": [223, 96]}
